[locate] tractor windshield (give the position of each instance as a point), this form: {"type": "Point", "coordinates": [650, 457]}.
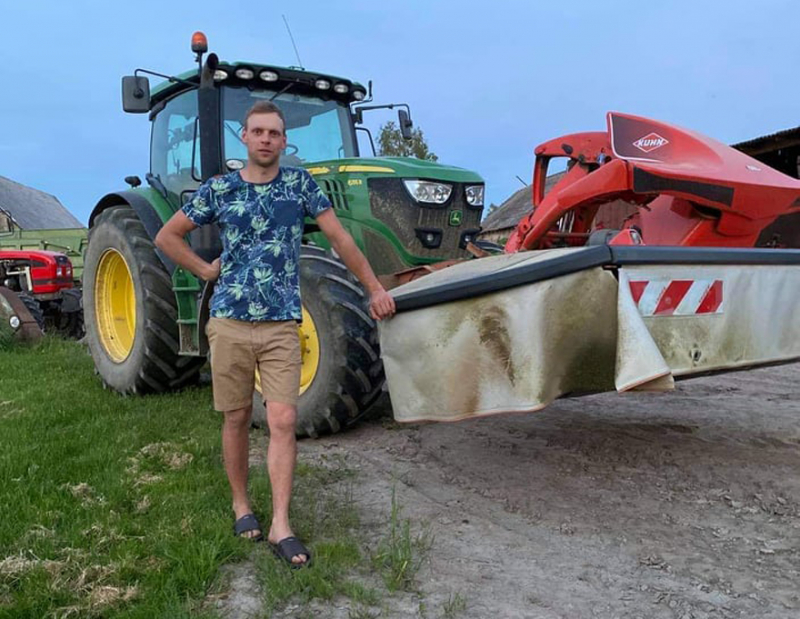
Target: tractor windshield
{"type": "Point", "coordinates": [316, 129]}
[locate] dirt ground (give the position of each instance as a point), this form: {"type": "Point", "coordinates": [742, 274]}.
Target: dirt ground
{"type": "Point", "coordinates": [680, 505]}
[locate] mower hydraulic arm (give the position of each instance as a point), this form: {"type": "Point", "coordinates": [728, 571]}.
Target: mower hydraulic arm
{"type": "Point", "coordinates": [592, 178]}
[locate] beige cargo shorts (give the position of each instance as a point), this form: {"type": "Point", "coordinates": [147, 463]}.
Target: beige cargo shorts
{"type": "Point", "coordinates": [238, 347]}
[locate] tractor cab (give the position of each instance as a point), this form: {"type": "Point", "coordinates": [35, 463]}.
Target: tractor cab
{"type": "Point", "coordinates": [319, 124]}
{"type": "Point", "coordinates": [197, 117]}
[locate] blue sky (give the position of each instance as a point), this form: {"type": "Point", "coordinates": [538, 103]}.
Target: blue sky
{"type": "Point", "coordinates": [486, 81]}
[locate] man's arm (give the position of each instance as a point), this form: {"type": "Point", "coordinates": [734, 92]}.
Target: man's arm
{"type": "Point", "coordinates": [170, 240]}
{"type": "Point", "coordinates": [381, 303]}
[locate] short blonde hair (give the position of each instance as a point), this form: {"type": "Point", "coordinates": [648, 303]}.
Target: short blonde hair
{"type": "Point", "coordinates": [265, 107]}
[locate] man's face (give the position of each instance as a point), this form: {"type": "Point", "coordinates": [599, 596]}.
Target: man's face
{"type": "Point", "coordinates": [265, 138]}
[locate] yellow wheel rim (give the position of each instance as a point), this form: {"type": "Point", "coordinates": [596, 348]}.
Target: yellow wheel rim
{"type": "Point", "coordinates": [309, 353]}
{"type": "Point", "coordinates": [115, 305]}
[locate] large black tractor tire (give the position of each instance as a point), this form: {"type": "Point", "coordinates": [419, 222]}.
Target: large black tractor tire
{"type": "Point", "coordinates": [148, 359]}
{"type": "Point", "coordinates": [349, 377]}
{"type": "Point", "coordinates": [32, 305]}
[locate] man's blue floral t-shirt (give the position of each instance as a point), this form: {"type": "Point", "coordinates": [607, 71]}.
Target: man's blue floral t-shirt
{"type": "Point", "coordinates": [261, 227]}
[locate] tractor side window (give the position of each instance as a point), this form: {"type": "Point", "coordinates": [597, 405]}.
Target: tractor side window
{"type": "Point", "coordinates": [175, 147]}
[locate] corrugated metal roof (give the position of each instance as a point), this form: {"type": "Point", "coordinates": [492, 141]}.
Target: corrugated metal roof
{"type": "Point", "coordinates": [33, 209]}
{"type": "Point", "coordinates": [771, 142]}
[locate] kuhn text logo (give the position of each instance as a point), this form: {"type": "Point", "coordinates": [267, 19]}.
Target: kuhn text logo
{"type": "Point", "coordinates": [650, 142]}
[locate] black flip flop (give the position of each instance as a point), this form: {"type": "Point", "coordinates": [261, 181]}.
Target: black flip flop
{"type": "Point", "coordinates": [290, 547]}
{"type": "Point", "coordinates": [246, 523]}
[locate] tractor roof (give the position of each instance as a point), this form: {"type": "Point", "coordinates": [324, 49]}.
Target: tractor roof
{"type": "Point", "coordinates": [301, 80]}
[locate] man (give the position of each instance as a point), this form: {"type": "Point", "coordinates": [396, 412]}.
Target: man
{"type": "Point", "coordinates": [256, 306]}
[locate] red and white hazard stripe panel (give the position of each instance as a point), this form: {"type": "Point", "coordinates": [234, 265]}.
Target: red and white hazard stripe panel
{"type": "Point", "coordinates": [678, 297]}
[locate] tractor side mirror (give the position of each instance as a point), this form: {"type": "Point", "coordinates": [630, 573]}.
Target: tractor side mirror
{"type": "Point", "coordinates": [135, 94]}
{"type": "Point", "coordinates": [405, 124]}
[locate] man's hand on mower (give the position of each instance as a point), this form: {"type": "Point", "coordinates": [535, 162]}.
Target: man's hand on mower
{"type": "Point", "coordinates": [381, 305]}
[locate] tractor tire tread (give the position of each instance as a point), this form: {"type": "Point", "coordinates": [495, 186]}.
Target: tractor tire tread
{"type": "Point", "coordinates": [161, 367]}
{"type": "Point", "coordinates": [359, 376]}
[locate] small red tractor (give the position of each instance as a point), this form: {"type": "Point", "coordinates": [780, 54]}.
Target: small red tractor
{"type": "Point", "coordinates": [43, 280]}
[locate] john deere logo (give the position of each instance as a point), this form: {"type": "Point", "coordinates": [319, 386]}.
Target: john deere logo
{"type": "Point", "coordinates": [456, 217]}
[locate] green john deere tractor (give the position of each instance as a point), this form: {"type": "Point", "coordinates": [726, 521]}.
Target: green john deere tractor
{"type": "Point", "coordinates": [145, 316]}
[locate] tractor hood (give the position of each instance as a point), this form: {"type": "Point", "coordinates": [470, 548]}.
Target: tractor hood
{"type": "Point", "coordinates": [401, 167]}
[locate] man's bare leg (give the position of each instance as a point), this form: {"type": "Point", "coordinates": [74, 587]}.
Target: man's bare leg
{"type": "Point", "coordinates": [281, 459]}
{"type": "Point", "coordinates": [235, 453]}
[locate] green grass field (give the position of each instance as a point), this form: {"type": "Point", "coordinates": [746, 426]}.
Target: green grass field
{"type": "Point", "coordinates": [116, 506]}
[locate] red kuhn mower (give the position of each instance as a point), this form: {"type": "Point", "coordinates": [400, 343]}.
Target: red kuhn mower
{"type": "Point", "coordinates": [701, 275]}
